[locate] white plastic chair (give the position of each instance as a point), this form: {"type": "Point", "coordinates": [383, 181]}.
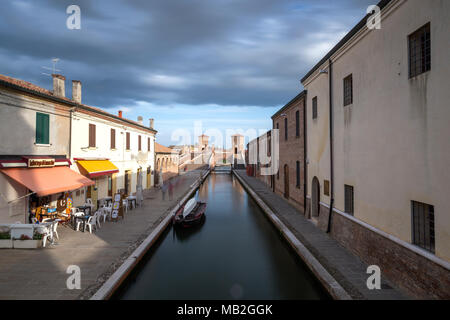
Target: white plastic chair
{"type": "Point", "coordinates": [125, 205]}
{"type": "Point", "coordinates": [98, 216]}
{"type": "Point", "coordinates": [92, 222]}
{"type": "Point", "coordinates": [55, 227]}
{"type": "Point", "coordinates": [47, 234]}
{"type": "Point", "coordinates": [106, 212]}
{"type": "Point", "coordinates": [90, 204]}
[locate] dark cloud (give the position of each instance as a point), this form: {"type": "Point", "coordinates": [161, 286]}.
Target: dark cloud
{"type": "Point", "coordinates": [225, 52]}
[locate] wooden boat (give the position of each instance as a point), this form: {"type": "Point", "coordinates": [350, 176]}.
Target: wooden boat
{"type": "Point", "coordinates": [191, 214]}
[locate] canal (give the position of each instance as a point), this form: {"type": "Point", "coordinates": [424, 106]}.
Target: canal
{"type": "Point", "coordinates": [235, 254]}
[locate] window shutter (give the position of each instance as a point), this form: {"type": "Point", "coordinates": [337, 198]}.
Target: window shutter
{"type": "Point", "coordinates": [139, 143]}
{"type": "Point", "coordinates": [113, 138]}
{"type": "Point", "coordinates": [42, 128]}
{"type": "Point", "coordinates": [148, 144]}
{"type": "Point", "coordinates": [92, 135]}
{"type": "Point", "coordinates": [128, 141]}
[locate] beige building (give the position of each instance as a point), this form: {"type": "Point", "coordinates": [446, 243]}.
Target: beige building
{"type": "Point", "coordinates": [378, 155]}
{"type": "Point", "coordinates": [34, 150]}
{"type": "Point", "coordinates": [167, 162]}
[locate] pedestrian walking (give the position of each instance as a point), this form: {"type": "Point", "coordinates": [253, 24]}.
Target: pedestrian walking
{"type": "Point", "coordinates": [164, 190]}
{"type": "Point", "coordinates": [170, 190]}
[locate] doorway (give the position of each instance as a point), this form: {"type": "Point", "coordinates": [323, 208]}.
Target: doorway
{"type": "Point", "coordinates": [315, 198]}
{"type": "Point", "coordinates": [149, 177]}
{"type": "Point", "coordinates": [286, 181]}
{"type": "Point", "coordinates": [127, 182]}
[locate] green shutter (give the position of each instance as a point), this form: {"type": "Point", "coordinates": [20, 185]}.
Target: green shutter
{"type": "Point", "coordinates": [42, 128]}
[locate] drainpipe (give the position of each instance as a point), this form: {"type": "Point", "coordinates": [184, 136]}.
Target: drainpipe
{"type": "Point", "coordinates": [330, 79]}
{"type": "Point", "coordinates": [305, 166]}
{"type": "Point", "coordinates": [70, 132]}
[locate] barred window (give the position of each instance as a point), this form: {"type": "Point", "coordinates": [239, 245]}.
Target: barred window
{"type": "Point", "coordinates": [349, 199]}
{"type": "Point", "coordinates": [348, 90]}
{"type": "Point", "coordinates": [297, 174]}
{"type": "Point", "coordinates": [326, 187]}
{"type": "Point", "coordinates": [423, 225]}
{"type": "Point", "coordinates": [297, 123]}
{"type": "Point", "coordinates": [419, 44]}
{"type": "Point", "coordinates": [285, 129]}
{"type": "Point", "coordinates": [314, 108]}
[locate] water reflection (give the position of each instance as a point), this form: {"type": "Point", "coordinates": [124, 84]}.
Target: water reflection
{"type": "Point", "coordinates": [235, 254]}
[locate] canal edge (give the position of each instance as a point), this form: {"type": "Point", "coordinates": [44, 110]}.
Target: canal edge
{"type": "Point", "coordinates": [326, 279]}
{"type": "Point", "coordinates": [110, 286]}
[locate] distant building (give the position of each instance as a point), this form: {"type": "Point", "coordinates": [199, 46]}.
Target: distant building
{"type": "Point", "coordinates": [167, 162]}
{"type": "Point", "coordinates": [203, 142]}
{"type": "Point", "coordinates": [290, 178]}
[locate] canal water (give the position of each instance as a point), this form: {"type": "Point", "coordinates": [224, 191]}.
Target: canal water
{"type": "Point", "coordinates": [235, 254]}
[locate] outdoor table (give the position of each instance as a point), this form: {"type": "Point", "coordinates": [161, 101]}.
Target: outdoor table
{"type": "Point", "coordinates": [85, 209]}
{"type": "Point", "coordinates": [106, 201]}
{"type": "Point", "coordinates": [132, 199]}
{"type": "Point", "coordinates": [51, 215]}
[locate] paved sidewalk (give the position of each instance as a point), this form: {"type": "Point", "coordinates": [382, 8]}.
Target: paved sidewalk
{"type": "Point", "coordinates": [345, 267]}
{"type": "Point", "coordinates": [41, 274]}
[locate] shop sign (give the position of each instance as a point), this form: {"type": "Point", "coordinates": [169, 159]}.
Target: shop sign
{"type": "Point", "coordinates": [41, 163]}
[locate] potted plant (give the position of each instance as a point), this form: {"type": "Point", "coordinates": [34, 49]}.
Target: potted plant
{"type": "Point", "coordinates": [25, 242]}
{"type": "Point", "coordinates": [5, 240]}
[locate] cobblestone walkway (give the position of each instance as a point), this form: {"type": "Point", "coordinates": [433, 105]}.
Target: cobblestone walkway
{"type": "Point", "coordinates": [41, 274]}
{"type": "Point", "coordinates": [344, 266]}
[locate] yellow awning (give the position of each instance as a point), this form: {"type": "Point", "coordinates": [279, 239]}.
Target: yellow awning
{"type": "Point", "coordinates": [96, 168]}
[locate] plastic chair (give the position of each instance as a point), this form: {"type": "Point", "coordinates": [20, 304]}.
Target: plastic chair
{"type": "Point", "coordinates": [92, 222]}
{"type": "Point", "coordinates": [106, 212]}
{"type": "Point", "coordinates": [55, 227]}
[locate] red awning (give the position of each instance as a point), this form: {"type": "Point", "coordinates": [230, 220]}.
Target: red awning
{"type": "Point", "coordinates": [45, 181]}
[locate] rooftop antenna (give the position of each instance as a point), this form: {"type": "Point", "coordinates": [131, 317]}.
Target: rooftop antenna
{"type": "Point", "coordinates": [53, 69]}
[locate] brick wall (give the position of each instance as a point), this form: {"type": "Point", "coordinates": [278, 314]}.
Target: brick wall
{"type": "Point", "coordinates": [409, 271]}
{"type": "Point", "coordinates": [291, 151]}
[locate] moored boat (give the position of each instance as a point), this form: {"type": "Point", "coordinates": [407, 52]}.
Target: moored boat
{"type": "Point", "coordinates": [191, 214]}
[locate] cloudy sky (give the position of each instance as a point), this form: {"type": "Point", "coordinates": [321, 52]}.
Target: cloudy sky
{"type": "Point", "coordinates": [229, 63]}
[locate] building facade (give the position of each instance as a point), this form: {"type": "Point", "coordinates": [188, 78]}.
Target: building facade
{"type": "Point", "coordinates": [377, 142]}
{"type": "Point", "coordinates": [289, 181]}
{"type": "Point", "coordinates": [167, 163]}
{"type": "Point", "coordinates": [117, 153]}
{"type": "Point", "coordinates": [107, 152]}
{"type": "Point", "coordinates": [34, 151]}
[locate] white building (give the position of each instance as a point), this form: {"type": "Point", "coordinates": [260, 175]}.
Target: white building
{"type": "Point", "coordinates": [117, 153]}
{"type": "Point", "coordinates": [34, 148]}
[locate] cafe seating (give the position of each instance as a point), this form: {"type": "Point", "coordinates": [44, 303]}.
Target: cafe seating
{"type": "Point", "coordinates": [92, 222]}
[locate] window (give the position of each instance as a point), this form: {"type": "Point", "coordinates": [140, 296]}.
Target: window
{"type": "Point", "coordinates": [423, 225]}
{"type": "Point", "coordinates": [128, 141]}
{"type": "Point", "coordinates": [42, 128]}
{"type": "Point", "coordinates": [326, 187]}
{"type": "Point", "coordinates": [285, 129]}
{"type": "Point", "coordinates": [349, 200]}
{"type": "Point", "coordinates": [419, 45]}
{"type": "Point", "coordinates": [348, 90]}
{"type": "Point", "coordinates": [297, 123]}
{"type": "Point", "coordinates": [148, 144]}
{"type": "Point", "coordinates": [113, 138]}
{"type": "Point", "coordinates": [298, 174]}
{"type": "Point", "coordinates": [92, 137]}
{"type": "Point", "coordinates": [314, 108]}
{"type": "Point", "coordinates": [139, 143]}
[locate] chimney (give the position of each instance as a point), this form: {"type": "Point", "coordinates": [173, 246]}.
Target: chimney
{"type": "Point", "coordinates": [76, 91]}
{"type": "Point", "coordinates": [120, 113]}
{"type": "Point", "coordinates": [59, 89]}
{"type": "Point", "coordinates": [141, 120]}
{"type": "Point", "coordinates": [152, 121]}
